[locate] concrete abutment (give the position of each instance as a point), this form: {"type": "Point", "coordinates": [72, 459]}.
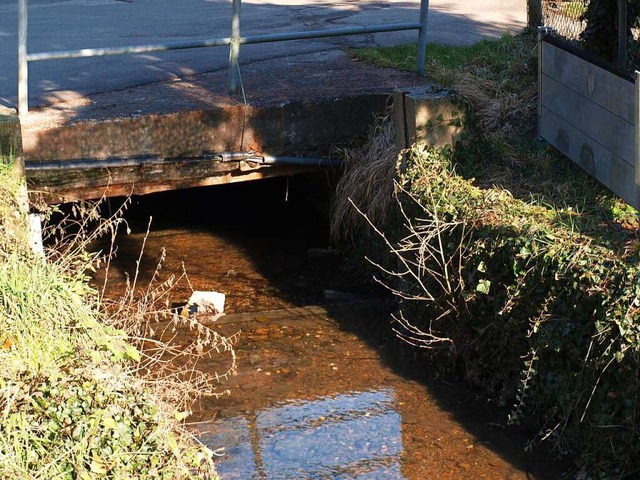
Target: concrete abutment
{"type": "Point", "coordinates": [427, 115]}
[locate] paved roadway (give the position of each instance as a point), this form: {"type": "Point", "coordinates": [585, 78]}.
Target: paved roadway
{"type": "Point", "coordinates": [73, 24]}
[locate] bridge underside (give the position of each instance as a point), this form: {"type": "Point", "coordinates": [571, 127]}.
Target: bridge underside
{"type": "Point", "coordinates": [61, 185]}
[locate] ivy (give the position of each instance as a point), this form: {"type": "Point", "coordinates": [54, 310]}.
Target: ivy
{"type": "Point", "coordinates": [549, 319]}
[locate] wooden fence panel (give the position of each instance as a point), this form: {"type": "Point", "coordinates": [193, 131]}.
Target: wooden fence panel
{"type": "Point", "coordinates": [597, 84]}
{"type": "Point", "coordinates": [588, 114]}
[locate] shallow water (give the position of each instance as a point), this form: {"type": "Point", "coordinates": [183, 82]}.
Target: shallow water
{"type": "Point", "coordinates": [356, 434]}
{"type": "Point", "coordinates": [320, 392]}
{"type": "Point", "coordinates": [331, 396]}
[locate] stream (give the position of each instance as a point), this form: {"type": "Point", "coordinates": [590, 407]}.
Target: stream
{"type": "Point", "coordinates": [323, 388]}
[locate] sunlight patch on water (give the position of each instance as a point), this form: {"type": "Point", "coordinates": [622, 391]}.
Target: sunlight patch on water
{"type": "Point", "coordinates": [352, 435]}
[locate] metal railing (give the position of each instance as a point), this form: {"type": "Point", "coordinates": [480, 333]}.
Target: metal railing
{"type": "Point", "coordinates": [234, 42]}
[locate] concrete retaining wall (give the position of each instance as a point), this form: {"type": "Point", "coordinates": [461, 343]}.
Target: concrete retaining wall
{"type": "Point", "coordinates": [10, 134]}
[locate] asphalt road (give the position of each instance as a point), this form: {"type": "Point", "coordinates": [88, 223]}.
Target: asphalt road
{"type": "Point", "coordinates": [73, 24]}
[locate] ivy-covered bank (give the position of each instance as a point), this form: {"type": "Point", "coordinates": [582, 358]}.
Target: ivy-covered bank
{"type": "Point", "coordinates": [74, 403]}
{"type": "Point", "coordinates": [533, 310]}
{"type": "Point", "coordinates": [512, 265]}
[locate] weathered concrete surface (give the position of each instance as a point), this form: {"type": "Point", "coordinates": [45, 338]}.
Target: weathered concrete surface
{"type": "Point", "coordinates": [427, 115]}
{"type": "Point", "coordinates": [10, 135]}
{"type": "Point", "coordinates": [303, 126]}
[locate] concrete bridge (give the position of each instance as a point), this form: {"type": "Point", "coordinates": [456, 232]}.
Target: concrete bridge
{"type": "Point", "coordinates": [110, 135]}
{"type": "Point", "coordinates": [86, 152]}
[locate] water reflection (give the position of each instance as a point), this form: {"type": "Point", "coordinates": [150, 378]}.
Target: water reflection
{"type": "Point", "coordinates": [353, 435]}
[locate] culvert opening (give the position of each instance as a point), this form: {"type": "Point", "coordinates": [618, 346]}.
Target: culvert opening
{"type": "Point", "coordinates": [264, 244]}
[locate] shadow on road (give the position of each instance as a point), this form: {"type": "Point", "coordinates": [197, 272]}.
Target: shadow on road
{"type": "Point", "coordinates": [74, 24]}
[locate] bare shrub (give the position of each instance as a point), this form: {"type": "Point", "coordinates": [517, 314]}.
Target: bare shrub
{"type": "Point", "coordinates": [428, 270]}
{"type": "Point", "coordinates": [168, 364]}
{"type": "Point", "coordinates": [165, 364]}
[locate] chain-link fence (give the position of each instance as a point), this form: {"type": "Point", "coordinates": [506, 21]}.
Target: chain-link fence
{"type": "Point", "coordinates": [574, 21]}
{"type": "Point", "coordinates": [564, 16]}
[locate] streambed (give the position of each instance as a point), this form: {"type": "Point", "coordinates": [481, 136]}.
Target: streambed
{"type": "Point", "coordinates": [323, 391]}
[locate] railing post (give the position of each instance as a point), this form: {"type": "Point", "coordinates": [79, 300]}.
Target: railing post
{"type": "Point", "coordinates": [23, 67]}
{"type": "Point", "coordinates": [622, 35]}
{"type": "Point", "coordinates": [234, 47]}
{"type": "Point", "coordinates": [636, 147]}
{"type": "Point", "coordinates": [421, 57]}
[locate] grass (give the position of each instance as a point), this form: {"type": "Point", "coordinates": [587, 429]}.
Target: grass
{"type": "Point", "coordinates": [573, 9]}
{"type": "Point", "coordinates": [367, 181]}
{"type": "Point", "coordinates": [79, 398]}
{"type": "Point", "coordinates": [403, 57]}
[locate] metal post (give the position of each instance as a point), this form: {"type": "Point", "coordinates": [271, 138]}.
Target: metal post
{"type": "Point", "coordinates": [636, 149]}
{"type": "Point", "coordinates": [542, 32]}
{"type": "Point", "coordinates": [534, 14]}
{"type": "Point", "coordinates": [421, 57]}
{"type": "Point", "coordinates": [23, 67]}
{"type": "Point", "coordinates": [234, 47]}
{"type": "Point", "coordinates": [622, 34]}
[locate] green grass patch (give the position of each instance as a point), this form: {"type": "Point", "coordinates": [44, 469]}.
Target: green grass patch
{"type": "Point", "coordinates": [403, 57]}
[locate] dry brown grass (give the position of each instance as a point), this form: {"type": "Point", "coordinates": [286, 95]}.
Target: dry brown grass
{"type": "Point", "coordinates": [498, 108]}
{"type": "Point", "coordinates": [172, 345]}
{"type": "Point", "coordinates": [367, 181]}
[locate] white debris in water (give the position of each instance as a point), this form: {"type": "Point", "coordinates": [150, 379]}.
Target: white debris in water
{"type": "Point", "coordinates": [206, 302]}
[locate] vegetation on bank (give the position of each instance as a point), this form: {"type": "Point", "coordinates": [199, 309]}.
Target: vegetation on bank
{"type": "Point", "coordinates": [512, 264]}
{"type": "Point", "coordinates": [79, 396]}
